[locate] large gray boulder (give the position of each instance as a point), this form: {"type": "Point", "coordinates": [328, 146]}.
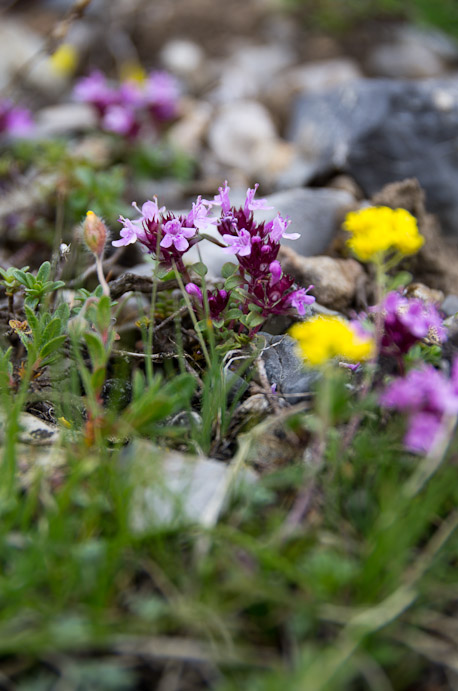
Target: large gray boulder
{"type": "Point", "coordinates": [383, 130]}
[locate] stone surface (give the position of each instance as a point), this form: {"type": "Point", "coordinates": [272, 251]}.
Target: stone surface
{"type": "Point", "coordinates": [172, 489]}
{"type": "Point", "coordinates": [250, 71]}
{"type": "Point", "coordinates": [335, 281]}
{"type": "Point", "coordinates": [450, 305]}
{"type": "Point", "coordinates": [241, 135]}
{"type": "Point", "coordinates": [410, 60]}
{"type": "Point", "coordinates": [285, 370]}
{"type": "Point", "coordinates": [315, 213]}
{"type": "Point", "coordinates": [65, 118]}
{"type": "Point", "coordinates": [33, 430]}
{"type": "Point", "coordinates": [383, 130]}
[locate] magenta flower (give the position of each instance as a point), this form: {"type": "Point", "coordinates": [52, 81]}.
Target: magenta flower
{"type": "Point", "coordinates": [251, 204]}
{"type": "Point", "coordinates": [300, 300]}
{"type": "Point", "coordinates": [129, 234]}
{"type": "Point", "coordinates": [427, 396]}
{"type": "Point", "coordinates": [94, 89]}
{"type": "Point", "coordinates": [222, 199]}
{"type": "Point", "coordinates": [279, 225]}
{"type": "Point", "coordinates": [15, 121]}
{"type": "Point", "coordinates": [217, 300]}
{"type": "Point", "coordinates": [177, 235]}
{"type": "Point", "coordinates": [162, 95]}
{"type": "Point", "coordinates": [120, 120]}
{"type": "Point", "coordinates": [198, 216]}
{"type": "Point", "coordinates": [238, 244]}
{"type": "Point", "coordinates": [407, 321]}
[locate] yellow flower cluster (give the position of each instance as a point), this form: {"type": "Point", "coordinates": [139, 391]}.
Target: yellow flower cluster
{"type": "Point", "coordinates": [322, 338]}
{"type": "Point", "coordinates": [378, 229]}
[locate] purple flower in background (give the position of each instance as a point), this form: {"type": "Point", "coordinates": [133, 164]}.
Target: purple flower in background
{"type": "Point", "coordinates": [162, 95]}
{"type": "Point", "coordinates": [120, 120]}
{"type": "Point", "coordinates": [128, 107]}
{"type": "Point", "coordinates": [94, 89]}
{"type": "Point", "coordinates": [407, 321]}
{"type": "Point", "coordinates": [15, 121]}
{"type": "Point", "coordinates": [427, 396]}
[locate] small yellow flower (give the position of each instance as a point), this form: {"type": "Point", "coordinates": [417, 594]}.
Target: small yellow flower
{"type": "Point", "coordinates": [132, 72]}
{"type": "Point", "coordinates": [378, 229]}
{"type": "Point", "coordinates": [64, 60]}
{"type": "Point", "coordinates": [322, 338]}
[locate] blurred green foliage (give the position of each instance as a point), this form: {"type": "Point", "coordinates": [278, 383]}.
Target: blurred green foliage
{"type": "Point", "coordinates": [340, 15]}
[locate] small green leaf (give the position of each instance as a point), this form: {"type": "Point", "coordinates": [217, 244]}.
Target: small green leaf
{"type": "Point", "coordinates": [52, 346]}
{"type": "Point", "coordinates": [104, 313]}
{"type": "Point", "coordinates": [255, 319]}
{"type": "Point", "coordinates": [234, 313]}
{"type": "Point", "coordinates": [234, 281]}
{"type": "Point", "coordinates": [43, 272]}
{"type": "Point", "coordinates": [96, 348]}
{"type": "Point", "coordinates": [98, 379]}
{"type": "Point", "coordinates": [200, 269]}
{"type": "Point", "coordinates": [228, 269]}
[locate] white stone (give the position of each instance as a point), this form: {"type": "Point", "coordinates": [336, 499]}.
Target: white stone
{"type": "Point", "coordinates": [173, 489]}
{"type": "Point", "coordinates": [240, 133]}
{"type": "Point", "coordinates": [65, 118]}
{"type": "Point", "coordinates": [182, 57]}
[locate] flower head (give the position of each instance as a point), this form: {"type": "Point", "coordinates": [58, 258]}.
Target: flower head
{"type": "Point", "coordinates": [379, 229]}
{"type": "Point", "coordinates": [406, 321]}
{"type": "Point", "coordinates": [322, 338]}
{"type": "Point", "coordinates": [15, 121]}
{"type": "Point", "coordinates": [176, 234]}
{"type": "Point", "coordinates": [427, 396]}
{"type": "Point", "coordinates": [94, 233]}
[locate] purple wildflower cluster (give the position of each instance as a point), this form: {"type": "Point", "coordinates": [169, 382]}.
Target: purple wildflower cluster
{"type": "Point", "coordinates": [15, 121]}
{"type": "Point", "coordinates": [428, 397]}
{"type": "Point", "coordinates": [407, 321]}
{"type": "Point", "coordinates": [124, 108]}
{"type": "Point", "coordinates": [256, 246]}
{"type": "Point", "coordinates": [166, 236]}
{"type": "Point", "coordinates": [262, 285]}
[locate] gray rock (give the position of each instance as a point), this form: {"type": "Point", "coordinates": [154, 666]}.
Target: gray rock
{"type": "Point", "coordinates": [242, 134]}
{"type": "Point", "coordinates": [409, 60]}
{"type": "Point", "coordinates": [450, 305]}
{"type": "Point", "coordinates": [33, 430]}
{"type": "Point", "coordinates": [315, 213]}
{"type": "Point", "coordinates": [65, 118]}
{"type": "Point", "coordinates": [172, 489]}
{"type": "Point", "coordinates": [382, 130]}
{"type": "Point", "coordinates": [285, 370]}
{"type": "Point", "coordinates": [250, 71]}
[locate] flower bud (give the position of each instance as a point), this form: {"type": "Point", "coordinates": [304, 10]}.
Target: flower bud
{"type": "Point", "coordinates": [94, 233]}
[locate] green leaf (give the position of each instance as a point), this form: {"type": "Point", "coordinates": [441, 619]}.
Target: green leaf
{"type": "Point", "coordinates": [52, 330]}
{"type": "Point", "coordinates": [98, 379]}
{"type": "Point", "coordinates": [96, 348]}
{"type": "Point", "coordinates": [43, 272]}
{"type": "Point", "coordinates": [200, 269]}
{"type": "Point", "coordinates": [52, 346]}
{"type": "Point", "coordinates": [32, 319]}
{"type": "Point", "coordinates": [234, 313]}
{"type": "Point", "coordinates": [254, 308]}
{"type": "Point", "coordinates": [24, 278]}
{"type": "Point", "coordinates": [255, 319]}
{"type": "Point", "coordinates": [403, 278]}
{"type": "Point", "coordinates": [228, 269]}
{"type": "Point", "coordinates": [104, 313]}
{"type": "Point", "coordinates": [234, 281]}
